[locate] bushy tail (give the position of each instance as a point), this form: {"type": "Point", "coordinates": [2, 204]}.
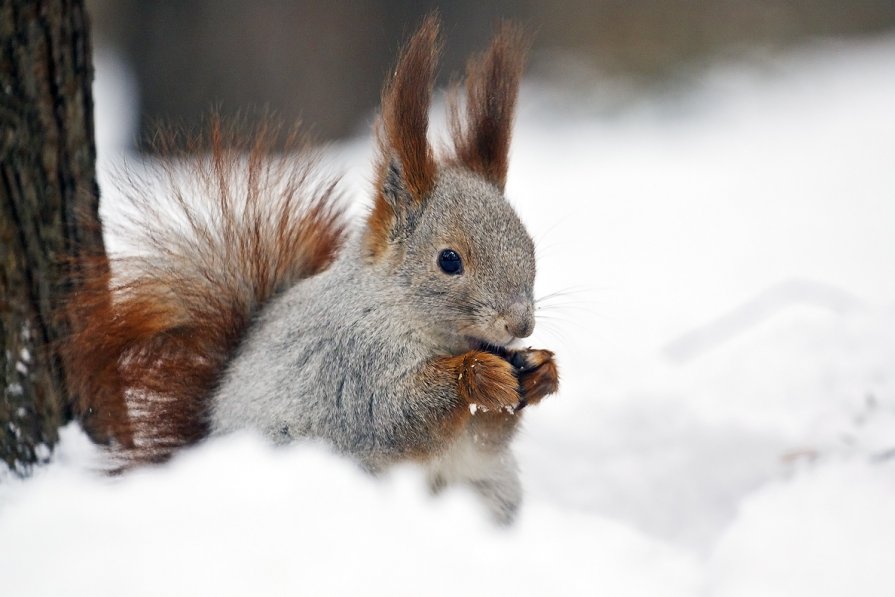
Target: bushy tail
{"type": "Point", "coordinates": [215, 236]}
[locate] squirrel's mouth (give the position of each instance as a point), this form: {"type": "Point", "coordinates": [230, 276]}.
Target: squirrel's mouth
{"type": "Point", "coordinates": [488, 346]}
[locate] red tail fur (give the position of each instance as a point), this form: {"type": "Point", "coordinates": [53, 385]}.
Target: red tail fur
{"type": "Point", "coordinates": [220, 235]}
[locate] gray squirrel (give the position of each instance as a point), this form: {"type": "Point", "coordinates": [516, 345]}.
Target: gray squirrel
{"type": "Point", "coordinates": [265, 311]}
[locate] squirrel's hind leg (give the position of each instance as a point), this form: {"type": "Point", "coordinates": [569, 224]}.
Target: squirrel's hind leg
{"type": "Point", "coordinates": [502, 490]}
{"type": "Point", "coordinates": [493, 475]}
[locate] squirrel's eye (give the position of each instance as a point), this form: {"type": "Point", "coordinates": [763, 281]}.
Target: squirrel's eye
{"type": "Point", "coordinates": [449, 262]}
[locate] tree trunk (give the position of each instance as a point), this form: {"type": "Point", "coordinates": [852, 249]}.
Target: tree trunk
{"type": "Point", "coordinates": [48, 214]}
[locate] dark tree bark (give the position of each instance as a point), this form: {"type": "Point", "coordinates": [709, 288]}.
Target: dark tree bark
{"type": "Point", "coordinates": [48, 214]}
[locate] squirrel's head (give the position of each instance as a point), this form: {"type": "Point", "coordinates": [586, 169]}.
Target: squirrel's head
{"type": "Point", "coordinates": [441, 226]}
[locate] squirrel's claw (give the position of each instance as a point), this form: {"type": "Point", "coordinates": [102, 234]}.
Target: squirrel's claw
{"type": "Point", "coordinates": [510, 380]}
{"type": "Point", "coordinates": [538, 376]}
{"type": "Point", "coordinates": [487, 382]}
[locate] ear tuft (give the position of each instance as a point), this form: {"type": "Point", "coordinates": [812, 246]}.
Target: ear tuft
{"type": "Point", "coordinates": [482, 139]}
{"type": "Point", "coordinates": [402, 134]}
{"type": "Point", "coordinates": [405, 109]}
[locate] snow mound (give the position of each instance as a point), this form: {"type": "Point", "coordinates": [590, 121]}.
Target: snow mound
{"type": "Point", "coordinates": [242, 517]}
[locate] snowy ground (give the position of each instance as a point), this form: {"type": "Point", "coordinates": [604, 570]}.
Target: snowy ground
{"type": "Point", "coordinates": [726, 424]}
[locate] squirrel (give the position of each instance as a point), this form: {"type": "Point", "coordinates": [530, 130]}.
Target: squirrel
{"type": "Point", "coordinates": [260, 307]}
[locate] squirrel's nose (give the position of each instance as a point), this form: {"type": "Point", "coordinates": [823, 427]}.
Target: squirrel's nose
{"type": "Point", "coordinates": [520, 320]}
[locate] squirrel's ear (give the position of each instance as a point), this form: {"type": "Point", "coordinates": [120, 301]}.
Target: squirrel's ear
{"type": "Point", "coordinates": [406, 166]}
{"type": "Point", "coordinates": [482, 139]}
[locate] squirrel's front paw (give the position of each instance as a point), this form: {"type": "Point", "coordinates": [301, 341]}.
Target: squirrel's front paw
{"type": "Point", "coordinates": [488, 382]}
{"type": "Point", "coordinates": [537, 373]}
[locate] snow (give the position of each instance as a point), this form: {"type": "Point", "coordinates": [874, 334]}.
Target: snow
{"type": "Point", "coordinates": [247, 518]}
{"type": "Point", "coordinates": [828, 532]}
{"type": "Point", "coordinates": [723, 313]}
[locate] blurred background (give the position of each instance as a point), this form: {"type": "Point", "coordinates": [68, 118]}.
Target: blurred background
{"type": "Point", "coordinates": [323, 62]}
{"type": "Point", "coordinates": [711, 191]}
